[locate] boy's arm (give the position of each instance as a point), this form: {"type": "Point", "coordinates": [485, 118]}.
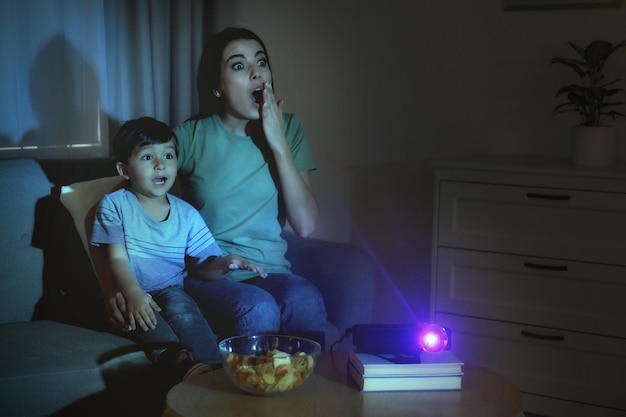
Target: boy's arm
{"type": "Point", "coordinates": [140, 306]}
{"type": "Point", "coordinates": [216, 268]}
{"type": "Point", "coordinates": [114, 301]}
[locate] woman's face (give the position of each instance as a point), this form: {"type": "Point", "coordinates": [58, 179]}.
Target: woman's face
{"type": "Point", "coordinates": [244, 70]}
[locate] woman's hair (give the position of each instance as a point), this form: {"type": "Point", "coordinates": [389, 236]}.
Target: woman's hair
{"type": "Point", "coordinates": [209, 70]}
{"type": "Point", "coordinates": [140, 132]}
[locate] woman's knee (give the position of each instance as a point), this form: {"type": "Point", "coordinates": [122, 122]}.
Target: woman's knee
{"type": "Point", "coordinates": [260, 314]}
{"type": "Point", "coordinates": [302, 294]}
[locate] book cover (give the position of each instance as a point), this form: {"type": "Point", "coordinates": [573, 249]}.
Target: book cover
{"type": "Point", "coordinates": [440, 363]}
{"type": "Point", "coordinates": [405, 383]}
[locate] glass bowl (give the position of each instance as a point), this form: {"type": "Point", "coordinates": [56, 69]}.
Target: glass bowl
{"type": "Point", "coordinates": [269, 364]}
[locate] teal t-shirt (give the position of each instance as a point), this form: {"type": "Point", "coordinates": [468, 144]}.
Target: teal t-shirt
{"type": "Point", "coordinates": [227, 178]}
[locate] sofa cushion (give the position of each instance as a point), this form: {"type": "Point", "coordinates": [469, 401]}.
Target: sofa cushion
{"type": "Point", "coordinates": [43, 276]}
{"type": "Point", "coordinates": [46, 365]}
{"type": "Point", "coordinates": [23, 183]}
{"type": "Point", "coordinates": [81, 199]}
{"type": "Point", "coordinates": [344, 275]}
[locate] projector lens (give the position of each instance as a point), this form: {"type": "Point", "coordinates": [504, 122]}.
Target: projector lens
{"type": "Point", "coordinates": [433, 338]}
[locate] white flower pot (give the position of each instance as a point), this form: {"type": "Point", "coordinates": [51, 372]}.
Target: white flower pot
{"type": "Point", "coordinates": [593, 146]}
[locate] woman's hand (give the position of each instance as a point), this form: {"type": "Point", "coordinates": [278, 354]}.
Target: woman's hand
{"type": "Point", "coordinates": [218, 268]}
{"type": "Point", "coordinates": [272, 120]}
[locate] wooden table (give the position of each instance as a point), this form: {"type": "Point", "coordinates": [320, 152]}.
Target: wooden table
{"type": "Point", "coordinates": [329, 393]}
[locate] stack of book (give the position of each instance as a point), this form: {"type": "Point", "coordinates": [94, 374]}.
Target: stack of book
{"type": "Point", "coordinates": [432, 372]}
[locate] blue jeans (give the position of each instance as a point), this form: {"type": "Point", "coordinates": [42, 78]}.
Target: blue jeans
{"type": "Point", "coordinates": [280, 303]}
{"type": "Point", "coordinates": [180, 326]}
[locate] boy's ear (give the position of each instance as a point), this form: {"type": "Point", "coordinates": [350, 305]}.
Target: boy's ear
{"type": "Point", "coordinates": [122, 169]}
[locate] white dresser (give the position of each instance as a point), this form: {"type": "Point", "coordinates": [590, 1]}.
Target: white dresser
{"type": "Point", "coordinates": [529, 272]}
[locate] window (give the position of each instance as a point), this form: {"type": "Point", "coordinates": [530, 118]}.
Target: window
{"type": "Point", "coordinates": [76, 69]}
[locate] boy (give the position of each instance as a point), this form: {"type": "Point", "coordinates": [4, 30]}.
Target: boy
{"type": "Point", "coordinates": [152, 241]}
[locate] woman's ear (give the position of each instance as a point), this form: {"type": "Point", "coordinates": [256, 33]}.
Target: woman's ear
{"type": "Point", "coordinates": [122, 169]}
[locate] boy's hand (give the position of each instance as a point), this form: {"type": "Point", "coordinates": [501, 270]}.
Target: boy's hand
{"type": "Point", "coordinates": [237, 262]}
{"type": "Point", "coordinates": [140, 310]}
{"type": "Point", "coordinates": [115, 306]}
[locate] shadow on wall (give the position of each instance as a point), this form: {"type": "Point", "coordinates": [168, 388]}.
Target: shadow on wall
{"type": "Point", "coordinates": [393, 211]}
{"type": "Point", "coordinates": [65, 97]}
{"type": "Point", "coordinates": [4, 140]}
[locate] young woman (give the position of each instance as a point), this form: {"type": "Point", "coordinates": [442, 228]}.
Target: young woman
{"type": "Point", "coordinates": [244, 164]}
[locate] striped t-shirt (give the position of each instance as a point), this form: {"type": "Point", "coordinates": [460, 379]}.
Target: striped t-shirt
{"type": "Point", "coordinates": [158, 251]}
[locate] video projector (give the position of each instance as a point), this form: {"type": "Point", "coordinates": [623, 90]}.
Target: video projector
{"type": "Point", "coordinates": [400, 339]}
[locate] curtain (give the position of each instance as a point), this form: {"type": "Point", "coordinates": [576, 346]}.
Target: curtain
{"type": "Point", "coordinates": [74, 70]}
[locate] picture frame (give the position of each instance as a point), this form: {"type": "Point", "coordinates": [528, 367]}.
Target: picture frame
{"type": "Point", "coordinates": [559, 4]}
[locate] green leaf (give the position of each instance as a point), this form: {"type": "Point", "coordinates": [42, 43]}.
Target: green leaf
{"type": "Point", "coordinates": [578, 99]}
{"type": "Point", "coordinates": [611, 103]}
{"type": "Point", "coordinates": [619, 45]}
{"type": "Point", "coordinates": [573, 64]}
{"type": "Point", "coordinates": [613, 114]}
{"type": "Point", "coordinates": [555, 112]}
{"type": "Point", "coordinates": [572, 88]}
{"type": "Point", "coordinates": [597, 52]}
{"type": "Point", "coordinates": [579, 70]}
{"type": "Point", "coordinates": [577, 48]}
{"type": "Point", "coordinates": [613, 91]}
{"type": "Point", "coordinates": [596, 93]}
{"type": "Point", "coordinates": [610, 83]}
{"type": "Point", "coordinates": [563, 60]}
{"type": "Point", "coordinates": [564, 107]}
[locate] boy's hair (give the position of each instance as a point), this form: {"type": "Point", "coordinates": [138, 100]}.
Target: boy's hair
{"type": "Point", "coordinates": [141, 132]}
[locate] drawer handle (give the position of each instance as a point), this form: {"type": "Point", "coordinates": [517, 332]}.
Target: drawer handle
{"type": "Point", "coordinates": [547, 267]}
{"type": "Point", "coordinates": [556, 338]}
{"type": "Point", "coordinates": [549, 196]}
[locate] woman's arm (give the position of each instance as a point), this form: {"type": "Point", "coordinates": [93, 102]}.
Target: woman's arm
{"type": "Point", "coordinates": [297, 190]}
{"type": "Point", "coordinates": [296, 187]}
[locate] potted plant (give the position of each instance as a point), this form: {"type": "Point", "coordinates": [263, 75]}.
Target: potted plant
{"type": "Point", "coordinates": [593, 100]}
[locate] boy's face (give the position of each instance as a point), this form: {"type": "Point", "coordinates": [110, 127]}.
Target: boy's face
{"type": "Point", "coordinates": [151, 169]}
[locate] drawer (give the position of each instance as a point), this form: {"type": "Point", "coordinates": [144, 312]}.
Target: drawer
{"type": "Point", "coordinates": [567, 224]}
{"type": "Point", "coordinates": [553, 407]}
{"type": "Point", "coordinates": [580, 368]}
{"type": "Point", "coordinates": [544, 292]}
